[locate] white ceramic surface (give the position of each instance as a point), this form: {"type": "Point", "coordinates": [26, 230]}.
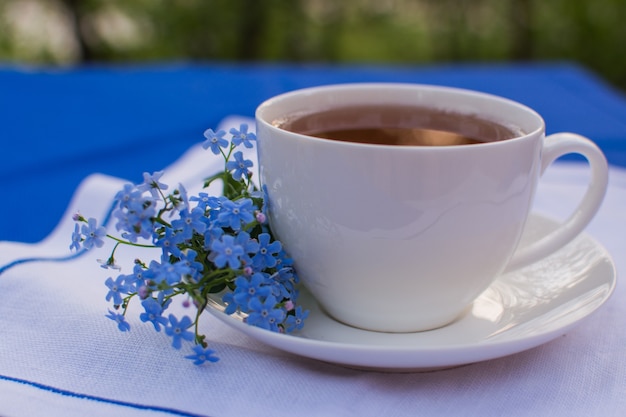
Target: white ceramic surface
{"type": "Point", "coordinates": [404, 238]}
{"type": "Point", "coordinates": [519, 311]}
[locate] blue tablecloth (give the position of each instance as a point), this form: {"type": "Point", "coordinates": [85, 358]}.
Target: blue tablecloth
{"type": "Point", "coordinates": [59, 125]}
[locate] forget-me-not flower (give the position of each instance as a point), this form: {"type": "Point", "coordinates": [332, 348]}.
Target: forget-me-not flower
{"type": "Point", "coordinates": [127, 194]}
{"type": "Point", "coordinates": [116, 287]}
{"type": "Point", "coordinates": [265, 314]}
{"type": "Point", "coordinates": [214, 140]}
{"type": "Point", "coordinates": [239, 166]}
{"type": "Point", "coordinates": [178, 330]}
{"type": "Point", "coordinates": [188, 259]}
{"type": "Point", "coordinates": [247, 289]}
{"type": "Point", "coordinates": [242, 136]}
{"type": "Point", "coordinates": [136, 219]}
{"type": "Point", "coordinates": [250, 246]}
{"type": "Point", "coordinates": [234, 213]}
{"type": "Point", "coordinates": [265, 255]}
{"type": "Point", "coordinates": [94, 234]}
{"type": "Point", "coordinates": [205, 201]}
{"type": "Point", "coordinates": [122, 324]}
{"type": "Point", "coordinates": [153, 313]}
{"type": "Point", "coordinates": [202, 355]}
{"type": "Point", "coordinates": [227, 251]}
{"type": "Point", "coordinates": [77, 237]}
{"type": "Point", "coordinates": [169, 242]}
{"type": "Point", "coordinates": [190, 222]}
{"type": "Point", "coordinates": [151, 183]}
{"type": "Point", "coordinates": [296, 321]}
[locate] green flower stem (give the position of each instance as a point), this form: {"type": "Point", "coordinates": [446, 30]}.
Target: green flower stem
{"type": "Point", "coordinates": [126, 302]}
{"type": "Point", "coordinates": [126, 242]}
{"type": "Point", "coordinates": [250, 225]}
{"type": "Point", "coordinates": [159, 220]}
{"type": "Point", "coordinates": [217, 278]}
{"type": "Point", "coordinates": [199, 338]}
{"type": "Point", "coordinates": [163, 196]}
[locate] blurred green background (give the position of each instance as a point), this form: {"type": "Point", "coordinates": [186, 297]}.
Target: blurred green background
{"type": "Point", "coordinates": [413, 32]}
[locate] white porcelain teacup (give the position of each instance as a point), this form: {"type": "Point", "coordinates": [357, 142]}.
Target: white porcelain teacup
{"type": "Point", "coordinates": [404, 238]}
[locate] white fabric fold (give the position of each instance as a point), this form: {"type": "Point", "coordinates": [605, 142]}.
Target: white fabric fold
{"type": "Point", "coordinates": [60, 355]}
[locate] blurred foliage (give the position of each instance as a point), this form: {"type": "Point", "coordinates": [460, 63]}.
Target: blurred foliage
{"type": "Point", "coordinates": [62, 32]}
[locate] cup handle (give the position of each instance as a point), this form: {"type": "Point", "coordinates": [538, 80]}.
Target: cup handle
{"type": "Point", "coordinates": [557, 145]}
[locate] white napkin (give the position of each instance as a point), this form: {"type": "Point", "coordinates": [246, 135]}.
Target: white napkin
{"type": "Point", "coordinates": [60, 356]}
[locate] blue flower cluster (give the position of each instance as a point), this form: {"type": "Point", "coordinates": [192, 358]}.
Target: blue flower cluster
{"type": "Point", "coordinates": [208, 245]}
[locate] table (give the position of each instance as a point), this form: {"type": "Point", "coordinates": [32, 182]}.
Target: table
{"type": "Point", "coordinates": [59, 125]}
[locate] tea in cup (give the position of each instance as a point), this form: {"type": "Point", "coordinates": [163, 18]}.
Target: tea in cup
{"type": "Point", "coordinates": [401, 203]}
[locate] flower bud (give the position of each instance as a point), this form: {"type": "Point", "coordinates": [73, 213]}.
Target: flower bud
{"type": "Point", "coordinates": [260, 217]}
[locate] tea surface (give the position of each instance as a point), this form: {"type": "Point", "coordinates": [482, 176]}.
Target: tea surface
{"type": "Point", "coordinates": [398, 125]}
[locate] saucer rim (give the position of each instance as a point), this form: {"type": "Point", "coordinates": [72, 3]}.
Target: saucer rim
{"type": "Point", "coordinates": [411, 358]}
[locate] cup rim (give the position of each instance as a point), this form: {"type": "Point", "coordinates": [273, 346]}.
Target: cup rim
{"type": "Point", "coordinates": [299, 94]}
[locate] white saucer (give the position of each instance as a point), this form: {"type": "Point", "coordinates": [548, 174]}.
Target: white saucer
{"type": "Point", "coordinates": [521, 310]}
